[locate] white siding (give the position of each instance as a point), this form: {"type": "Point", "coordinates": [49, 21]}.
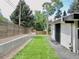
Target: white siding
{"type": "Point", "coordinates": [74, 39]}
{"type": "Point", "coordinates": [66, 35]}
{"type": "Point", "coordinates": [53, 32]}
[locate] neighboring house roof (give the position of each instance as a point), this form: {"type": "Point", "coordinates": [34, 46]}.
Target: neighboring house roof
{"type": "Point", "coordinates": [56, 21]}
{"type": "Point", "coordinates": [71, 17]}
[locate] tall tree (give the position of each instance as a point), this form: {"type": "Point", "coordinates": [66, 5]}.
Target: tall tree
{"type": "Point", "coordinates": [58, 14]}
{"type": "Point", "coordinates": [2, 18]}
{"type": "Point", "coordinates": [52, 6]}
{"type": "Point", "coordinates": [64, 13]}
{"type": "Point", "coordinates": [49, 8]}
{"type": "Point", "coordinates": [0, 13]}
{"type": "Point", "coordinates": [26, 15]}
{"type": "Point", "coordinates": [74, 7]}
{"type": "Point", "coordinates": [40, 21]}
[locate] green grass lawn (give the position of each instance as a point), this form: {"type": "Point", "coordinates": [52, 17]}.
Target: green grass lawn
{"type": "Point", "coordinates": [39, 48]}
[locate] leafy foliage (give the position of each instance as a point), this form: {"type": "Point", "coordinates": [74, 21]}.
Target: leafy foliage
{"type": "Point", "coordinates": [3, 19]}
{"type": "Point", "coordinates": [58, 14]}
{"type": "Point", "coordinates": [57, 1]}
{"type": "Point", "coordinates": [74, 7]}
{"type": "Point", "coordinates": [26, 15]}
{"type": "Point", "coordinates": [64, 13]}
{"type": "Point", "coordinates": [52, 6]}
{"type": "Point", "coordinates": [40, 21]}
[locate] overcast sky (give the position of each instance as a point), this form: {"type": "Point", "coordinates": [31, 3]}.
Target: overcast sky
{"type": "Point", "coordinates": [7, 8]}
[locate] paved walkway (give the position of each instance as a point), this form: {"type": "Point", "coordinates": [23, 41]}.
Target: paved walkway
{"type": "Point", "coordinates": [63, 52]}
{"type": "Point", "coordinates": [12, 37]}
{"type": "Point", "coordinates": [15, 49]}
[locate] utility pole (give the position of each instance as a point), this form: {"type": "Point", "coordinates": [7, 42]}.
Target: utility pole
{"type": "Point", "coordinates": [47, 24]}
{"type": "Point", "coordinates": [20, 14]}
{"type": "Point", "coordinates": [19, 17]}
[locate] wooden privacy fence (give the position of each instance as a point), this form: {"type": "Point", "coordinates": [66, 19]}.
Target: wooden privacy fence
{"type": "Point", "coordinates": [10, 29]}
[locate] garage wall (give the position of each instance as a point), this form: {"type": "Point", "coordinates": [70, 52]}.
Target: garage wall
{"type": "Point", "coordinates": [53, 32]}
{"type": "Point", "coordinates": [66, 35]}
{"type": "Point", "coordinates": [75, 38]}
{"type": "Point", "coordinates": [65, 39]}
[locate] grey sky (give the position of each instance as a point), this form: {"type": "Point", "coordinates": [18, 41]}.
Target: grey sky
{"type": "Point", "coordinates": [6, 9]}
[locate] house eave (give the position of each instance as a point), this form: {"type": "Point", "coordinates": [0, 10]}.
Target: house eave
{"type": "Point", "coordinates": [69, 18]}
{"type": "Point", "coordinates": [57, 21]}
